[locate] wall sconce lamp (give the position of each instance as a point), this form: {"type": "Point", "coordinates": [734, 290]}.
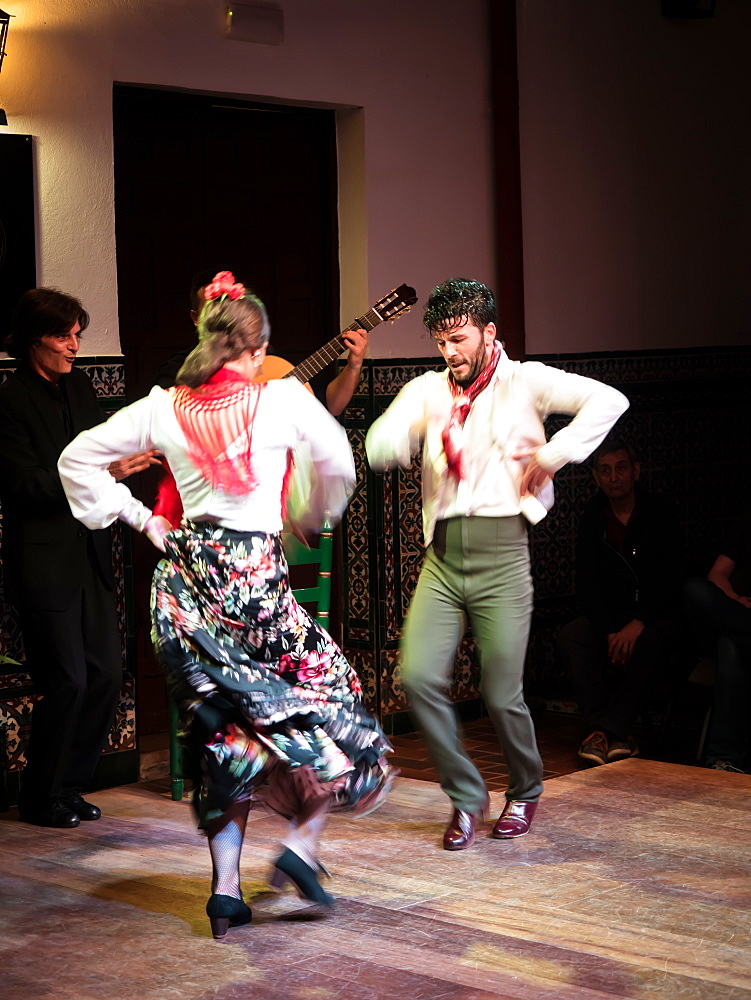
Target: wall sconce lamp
{"type": "Point", "coordinates": [255, 22]}
{"type": "Point", "coordinates": [4, 22]}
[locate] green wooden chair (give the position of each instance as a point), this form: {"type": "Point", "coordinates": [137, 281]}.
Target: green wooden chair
{"type": "Point", "coordinates": [319, 595]}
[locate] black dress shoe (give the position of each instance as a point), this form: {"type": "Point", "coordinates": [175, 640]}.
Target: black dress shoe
{"type": "Point", "coordinates": [53, 812]}
{"type": "Point", "coordinates": [460, 833]}
{"type": "Point", "coordinates": [82, 808]}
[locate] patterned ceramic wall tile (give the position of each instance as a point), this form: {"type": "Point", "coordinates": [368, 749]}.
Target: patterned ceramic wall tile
{"type": "Point", "coordinates": [15, 680]}
{"type": "Point", "coordinates": [15, 720]}
{"type": "Point", "coordinates": [393, 698]}
{"type": "Point", "coordinates": [11, 643]}
{"type": "Point", "coordinates": [122, 736]}
{"type": "Point", "coordinates": [108, 380]}
{"type": "Point", "coordinates": [358, 533]}
{"type": "Point", "coordinates": [17, 698]}
{"type": "Point", "coordinates": [363, 660]}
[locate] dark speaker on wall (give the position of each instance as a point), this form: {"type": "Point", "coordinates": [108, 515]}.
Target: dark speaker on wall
{"type": "Point", "coordinates": [17, 242]}
{"type": "Point", "coordinates": [688, 8]}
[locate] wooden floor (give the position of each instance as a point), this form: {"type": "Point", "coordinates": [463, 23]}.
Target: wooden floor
{"type": "Point", "coordinates": [634, 883]}
{"type": "Point", "coordinates": [557, 735]}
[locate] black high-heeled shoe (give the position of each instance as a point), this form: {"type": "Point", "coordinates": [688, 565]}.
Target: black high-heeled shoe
{"type": "Point", "coordinates": [279, 879]}
{"type": "Point", "coordinates": [225, 912]}
{"type": "Point", "coordinates": [304, 879]}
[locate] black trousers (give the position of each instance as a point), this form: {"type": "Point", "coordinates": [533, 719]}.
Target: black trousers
{"type": "Point", "coordinates": [611, 697]}
{"type": "Point", "coordinates": [725, 627]}
{"type": "Point", "coordinates": [75, 660]}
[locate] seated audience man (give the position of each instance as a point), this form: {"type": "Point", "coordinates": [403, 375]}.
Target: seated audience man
{"type": "Point", "coordinates": [628, 640]}
{"type": "Point", "coordinates": [721, 605]}
{"type": "Point", "coordinates": [58, 574]}
{"type": "Point", "coordinates": [335, 395]}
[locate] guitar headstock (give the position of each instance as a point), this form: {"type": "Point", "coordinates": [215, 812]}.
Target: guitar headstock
{"type": "Point", "coordinates": [396, 302]}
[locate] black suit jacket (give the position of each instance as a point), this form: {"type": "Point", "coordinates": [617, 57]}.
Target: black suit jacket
{"type": "Point", "coordinates": [645, 580]}
{"type": "Point", "coordinates": [44, 547]}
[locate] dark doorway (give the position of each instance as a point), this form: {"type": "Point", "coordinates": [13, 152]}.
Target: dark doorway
{"type": "Point", "coordinates": [204, 182]}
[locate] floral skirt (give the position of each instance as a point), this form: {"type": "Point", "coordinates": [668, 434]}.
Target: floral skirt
{"type": "Point", "coordinates": [228, 631]}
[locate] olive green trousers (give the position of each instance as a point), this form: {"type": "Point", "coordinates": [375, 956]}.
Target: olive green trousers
{"type": "Point", "coordinates": [476, 569]}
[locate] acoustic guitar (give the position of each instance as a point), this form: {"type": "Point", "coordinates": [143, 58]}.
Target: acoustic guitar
{"type": "Point", "coordinates": [397, 301]}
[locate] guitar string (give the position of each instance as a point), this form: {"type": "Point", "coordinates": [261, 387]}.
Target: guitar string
{"type": "Point", "coordinates": [330, 351]}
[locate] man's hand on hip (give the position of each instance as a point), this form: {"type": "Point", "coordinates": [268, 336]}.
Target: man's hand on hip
{"type": "Point", "coordinates": [534, 476]}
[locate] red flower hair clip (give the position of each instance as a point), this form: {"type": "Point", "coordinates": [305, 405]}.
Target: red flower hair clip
{"type": "Point", "coordinates": [224, 284]}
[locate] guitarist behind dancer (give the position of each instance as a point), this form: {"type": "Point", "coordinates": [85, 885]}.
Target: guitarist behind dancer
{"type": "Point", "coordinates": [336, 394]}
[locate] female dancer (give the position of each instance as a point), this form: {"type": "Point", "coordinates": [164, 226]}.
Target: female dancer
{"type": "Point", "coordinates": [271, 707]}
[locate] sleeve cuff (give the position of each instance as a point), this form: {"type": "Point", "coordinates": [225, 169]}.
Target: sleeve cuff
{"type": "Point", "coordinates": [135, 514]}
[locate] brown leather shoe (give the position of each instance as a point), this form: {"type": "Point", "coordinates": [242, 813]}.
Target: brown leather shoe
{"type": "Point", "coordinates": [515, 820]}
{"type": "Point", "coordinates": [460, 833]}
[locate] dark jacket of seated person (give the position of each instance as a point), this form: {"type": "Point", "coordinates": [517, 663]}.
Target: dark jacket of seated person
{"type": "Point", "coordinates": [631, 571]}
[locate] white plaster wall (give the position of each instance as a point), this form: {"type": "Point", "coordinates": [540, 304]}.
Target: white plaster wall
{"type": "Point", "coordinates": [635, 164]}
{"type": "Point", "coordinates": [418, 69]}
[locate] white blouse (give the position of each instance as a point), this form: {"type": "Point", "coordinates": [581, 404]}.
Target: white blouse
{"type": "Point", "coordinates": [288, 417]}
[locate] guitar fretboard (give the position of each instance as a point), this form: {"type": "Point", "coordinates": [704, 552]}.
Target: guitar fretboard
{"type": "Point", "coordinates": [307, 369]}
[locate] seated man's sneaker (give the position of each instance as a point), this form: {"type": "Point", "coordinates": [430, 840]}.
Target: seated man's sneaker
{"type": "Point", "coordinates": [594, 748]}
{"type": "Point", "coordinates": [621, 749]}
{"type": "Point", "coordinates": [725, 765]}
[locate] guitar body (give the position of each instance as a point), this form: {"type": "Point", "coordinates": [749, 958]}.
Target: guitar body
{"type": "Point", "coordinates": [274, 368]}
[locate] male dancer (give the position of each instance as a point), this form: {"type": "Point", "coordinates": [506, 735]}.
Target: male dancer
{"type": "Point", "coordinates": [485, 464]}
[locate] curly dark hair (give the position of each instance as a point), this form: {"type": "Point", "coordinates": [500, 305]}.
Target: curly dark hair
{"type": "Point", "coordinates": [459, 299]}
{"type": "Point", "coordinates": [40, 312]}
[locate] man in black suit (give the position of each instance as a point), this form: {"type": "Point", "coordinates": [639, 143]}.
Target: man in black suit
{"type": "Point", "coordinates": [57, 573]}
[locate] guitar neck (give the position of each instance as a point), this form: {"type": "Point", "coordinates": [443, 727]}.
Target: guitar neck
{"type": "Point", "coordinates": [307, 369]}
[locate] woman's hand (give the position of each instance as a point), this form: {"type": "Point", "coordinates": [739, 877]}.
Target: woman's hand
{"type": "Point", "coordinates": [155, 530]}
{"type": "Point", "coordinates": [125, 467]}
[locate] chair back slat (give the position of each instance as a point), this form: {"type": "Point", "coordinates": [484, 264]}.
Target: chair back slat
{"type": "Point", "coordinates": [299, 554]}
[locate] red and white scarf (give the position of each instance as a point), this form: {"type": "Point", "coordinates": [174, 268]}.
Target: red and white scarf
{"type": "Point", "coordinates": [463, 399]}
{"type": "Point", "coordinates": [213, 417]}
